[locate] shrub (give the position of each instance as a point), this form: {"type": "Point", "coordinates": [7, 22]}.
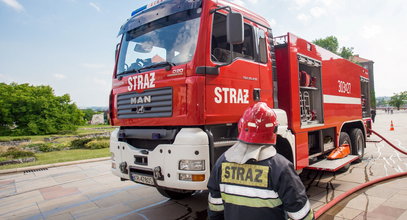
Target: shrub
{"type": "Point", "coordinates": [63, 146]}
{"type": "Point", "coordinates": [43, 147]}
{"type": "Point", "coordinates": [80, 143]}
{"type": "Point", "coordinates": [97, 144]}
{"type": "Point", "coordinates": [15, 153]}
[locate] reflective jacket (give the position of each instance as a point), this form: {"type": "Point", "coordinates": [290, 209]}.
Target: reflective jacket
{"type": "Point", "coordinates": [266, 189]}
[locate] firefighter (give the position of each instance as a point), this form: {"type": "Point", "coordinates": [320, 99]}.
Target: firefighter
{"type": "Point", "coordinates": [251, 180]}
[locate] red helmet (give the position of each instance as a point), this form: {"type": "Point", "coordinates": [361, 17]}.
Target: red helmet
{"type": "Point", "coordinates": [258, 125]}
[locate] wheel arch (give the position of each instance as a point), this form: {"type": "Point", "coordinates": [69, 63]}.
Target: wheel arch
{"type": "Point", "coordinates": [348, 126]}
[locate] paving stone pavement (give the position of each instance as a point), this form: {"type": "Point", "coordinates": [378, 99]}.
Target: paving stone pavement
{"type": "Point", "coordinates": [90, 191]}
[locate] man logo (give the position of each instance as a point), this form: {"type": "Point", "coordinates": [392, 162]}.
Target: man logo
{"type": "Point", "coordinates": [140, 100]}
{"type": "Point", "coordinates": [139, 109]}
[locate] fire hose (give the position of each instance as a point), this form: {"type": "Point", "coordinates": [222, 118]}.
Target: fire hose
{"type": "Point", "coordinates": [364, 185]}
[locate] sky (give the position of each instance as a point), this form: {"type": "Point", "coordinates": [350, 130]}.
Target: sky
{"type": "Point", "coordinates": [69, 44]}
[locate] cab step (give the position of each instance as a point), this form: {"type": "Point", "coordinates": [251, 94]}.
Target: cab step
{"type": "Point", "coordinates": [332, 165]}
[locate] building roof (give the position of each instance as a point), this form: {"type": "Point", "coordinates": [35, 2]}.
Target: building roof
{"type": "Point", "coordinates": [359, 59]}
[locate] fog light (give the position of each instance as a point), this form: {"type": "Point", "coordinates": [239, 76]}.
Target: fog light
{"type": "Point", "coordinates": [114, 165]}
{"type": "Point", "coordinates": [194, 165]}
{"type": "Point", "coordinates": [192, 177]}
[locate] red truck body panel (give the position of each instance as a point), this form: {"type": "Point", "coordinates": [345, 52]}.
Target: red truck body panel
{"type": "Point", "coordinates": [339, 105]}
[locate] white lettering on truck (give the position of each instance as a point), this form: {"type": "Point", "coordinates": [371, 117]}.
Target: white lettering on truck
{"type": "Point", "coordinates": [145, 81]}
{"type": "Point", "coordinates": [231, 95]}
{"type": "Point", "coordinates": [344, 87]}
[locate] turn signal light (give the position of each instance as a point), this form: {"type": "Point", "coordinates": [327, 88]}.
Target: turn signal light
{"type": "Point", "coordinates": [192, 177]}
{"type": "Point", "coordinates": [198, 177]}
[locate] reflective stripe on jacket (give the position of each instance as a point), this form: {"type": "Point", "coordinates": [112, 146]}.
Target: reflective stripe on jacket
{"type": "Point", "coordinates": [267, 189]}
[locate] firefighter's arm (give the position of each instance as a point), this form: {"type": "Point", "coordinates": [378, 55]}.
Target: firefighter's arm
{"type": "Point", "coordinates": [215, 203]}
{"type": "Point", "coordinates": [292, 194]}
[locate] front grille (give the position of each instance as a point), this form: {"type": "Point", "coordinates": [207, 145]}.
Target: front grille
{"type": "Point", "coordinates": [152, 103]}
{"type": "Point", "coordinates": [147, 144]}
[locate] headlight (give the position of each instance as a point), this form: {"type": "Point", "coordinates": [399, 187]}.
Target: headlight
{"type": "Point", "coordinates": [193, 165]}
{"type": "Point", "coordinates": [112, 156]}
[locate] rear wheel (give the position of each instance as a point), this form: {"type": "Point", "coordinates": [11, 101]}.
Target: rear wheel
{"type": "Point", "coordinates": [173, 194]}
{"type": "Point", "coordinates": [358, 143]}
{"type": "Point", "coordinates": [345, 139]}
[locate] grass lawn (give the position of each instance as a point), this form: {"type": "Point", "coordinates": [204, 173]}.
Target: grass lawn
{"type": "Point", "coordinates": [62, 156]}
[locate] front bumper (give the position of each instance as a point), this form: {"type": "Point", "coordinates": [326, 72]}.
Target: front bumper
{"type": "Point", "coordinates": [189, 144]}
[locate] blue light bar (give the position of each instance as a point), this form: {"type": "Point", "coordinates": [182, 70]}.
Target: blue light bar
{"type": "Point", "coordinates": [149, 5]}
{"type": "Point", "coordinates": [138, 10]}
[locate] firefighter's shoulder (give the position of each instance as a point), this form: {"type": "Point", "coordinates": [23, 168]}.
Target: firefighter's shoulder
{"type": "Point", "coordinates": [279, 162]}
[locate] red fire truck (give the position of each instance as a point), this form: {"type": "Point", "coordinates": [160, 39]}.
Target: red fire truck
{"type": "Point", "coordinates": [187, 69]}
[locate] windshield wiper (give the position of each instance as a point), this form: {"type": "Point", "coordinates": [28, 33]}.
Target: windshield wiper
{"type": "Point", "coordinates": [128, 71]}
{"type": "Point", "coordinates": [166, 63]}
{"type": "Point", "coordinates": [155, 65]}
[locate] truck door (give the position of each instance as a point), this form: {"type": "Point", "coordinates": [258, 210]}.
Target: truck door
{"type": "Point", "coordinates": [365, 97]}
{"type": "Point", "coordinates": [236, 86]}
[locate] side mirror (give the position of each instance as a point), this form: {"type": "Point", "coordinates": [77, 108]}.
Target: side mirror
{"type": "Point", "coordinates": [234, 28]}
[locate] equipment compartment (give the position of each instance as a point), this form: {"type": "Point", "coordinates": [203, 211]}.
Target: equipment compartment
{"type": "Point", "coordinates": [309, 76]}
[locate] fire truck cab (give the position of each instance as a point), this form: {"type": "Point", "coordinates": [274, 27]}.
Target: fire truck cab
{"type": "Point", "coordinates": [187, 69]}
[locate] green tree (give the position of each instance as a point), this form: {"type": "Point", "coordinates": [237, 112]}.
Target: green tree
{"type": "Point", "coordinates": [331, 43]}
{"type": "Point", "coordinates": [381, 102]}
{"type": "Point", "coordinates": [398, 99]}
{"type": "Point", "coordinates": [346, 52]}
{"type": "Point", "coordinates": [88, 113]}
{"type": "Point", "coordinates": [372, 99]}
{"type": "Point", "coordinates": [32, 110]}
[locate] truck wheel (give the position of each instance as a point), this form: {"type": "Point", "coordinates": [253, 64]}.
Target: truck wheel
{"type": "Point", "coordinates": [177, 195]}
{"type": "Point", "coordinates": [345, 139]}
{"type": "Point", "coordinates": [358, 143]}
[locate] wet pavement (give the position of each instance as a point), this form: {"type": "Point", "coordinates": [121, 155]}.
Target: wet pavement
{"type": "Point", "coordinates": [90, 191]}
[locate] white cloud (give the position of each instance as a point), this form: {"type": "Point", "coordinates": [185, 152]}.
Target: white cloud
{"type": "Point", "coordinates": [317, 11]}
{"type": "Point", "coordinates": [303, 17]}
{"type": "Point", "coordinates": [301, 3]}
{"type": "Point", "coordinates": [14, 4]}
{"type": "Point", "coordinates": [254, 1]}
{"type": "Point", "coordinates": [95, 6]}
{"type": "Point", "coordinates": [370, 31]}
{"type": "Point", "coordinates": [327, 2]}
{"type": "Point", "coordinates": [272, 22]}
{"type": "Point", "coordinates": [344, 39]}
{"type": "Point", "coordinates": [239, 2]}
{"type": "Point", "coordinates": [59, 76]}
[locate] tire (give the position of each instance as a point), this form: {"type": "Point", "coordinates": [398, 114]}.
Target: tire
{"type": "Point", "coordinates": [358, 143]}
{"type": "Point", "coordinates": [172, 194]}
{"type": "Point", "coordinates": [345, 139]}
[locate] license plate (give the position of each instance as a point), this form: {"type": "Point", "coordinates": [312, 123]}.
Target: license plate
{"type": "Point", "coordinates": [142, 179]}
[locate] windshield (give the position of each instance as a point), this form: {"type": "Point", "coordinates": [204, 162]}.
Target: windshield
{"type": "Point", "coordinates": [168, 41]}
